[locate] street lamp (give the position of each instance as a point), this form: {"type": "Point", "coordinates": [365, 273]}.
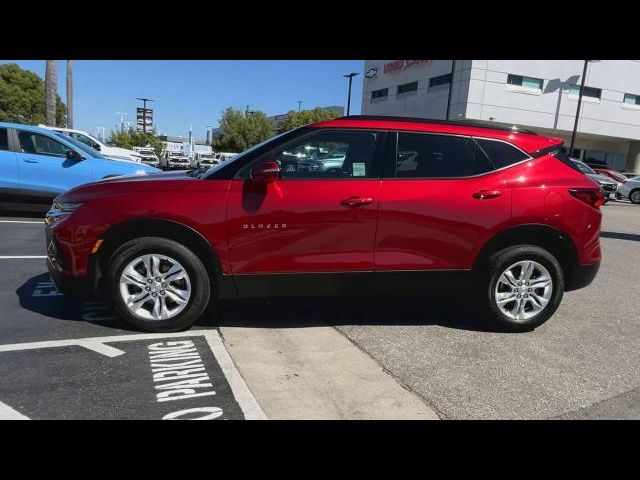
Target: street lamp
{"type": "Point", "coordinates": [122, 114]}
{"type": "Point", "coordinates": [575, 124]}
{"type": "Point", "coordinates": [350, 77]}
{"type": "Point", "coordinates": [299, 104]}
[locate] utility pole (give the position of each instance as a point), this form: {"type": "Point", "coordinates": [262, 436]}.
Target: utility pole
{"type": "Point", "coordinates": [144, 112]}
{"type": "Point", "coordinates": [299, 104]}
{"type": "Point", "coordinates": [350, 77]}
{"type": "Point", "coordinates": [453, 66]}
{"type": "Point", "coordinates": [575, 124]}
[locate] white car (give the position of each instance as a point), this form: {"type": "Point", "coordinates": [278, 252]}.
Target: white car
{"type": "Point", "coordinates": [114, 153]}
{"type": "Point", "coordinates": [148, 156]}
{"type": "Point", "coordinates": [631, 190]}
{"type": "Point", "coordinates": [177, 160]}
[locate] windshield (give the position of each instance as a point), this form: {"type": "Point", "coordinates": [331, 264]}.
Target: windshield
{"type": "Point", "coordinates": [584, 168]}
{"type": "Point", "coordinates": [92, 152]}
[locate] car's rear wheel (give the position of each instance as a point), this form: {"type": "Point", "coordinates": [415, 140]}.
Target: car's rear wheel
{"type": "Point", "coordinates": [523, 285]}
{"type": "Point", "coordinates": [634, 196]}
{"type": "Point", "coordinates": [158, 285]}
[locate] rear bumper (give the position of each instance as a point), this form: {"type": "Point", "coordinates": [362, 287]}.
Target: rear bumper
{"type": "Point", "coordinates": [581, 276]}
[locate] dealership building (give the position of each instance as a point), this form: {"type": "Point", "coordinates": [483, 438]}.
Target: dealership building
{"type": "Point", "coordinates": [539, 95]}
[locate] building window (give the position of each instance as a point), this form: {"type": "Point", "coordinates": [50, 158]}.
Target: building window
{"type": "Point", "coordinates": [525, 82]}
{"type": "Point", "coordinates": [574, 91]}
{"type": "Point", "coordinates": [382, 93]}
{"type": "Point", "coordinates": [440, 80]}
{"type": "Point", "coordinates": [407, 87]}
{"type": "Point", "coordinates": [631, 99]}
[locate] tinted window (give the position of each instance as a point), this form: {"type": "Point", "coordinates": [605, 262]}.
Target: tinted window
{"type": "Point", "coordinates": [328, 155]}
{"type": "Point", "coordinates": [526, 82]}
{"type": "Point", "coordinates": [4, 139]}
{"type": "Point", "coordinates": [501, 154]}
{"type": "Point", "coordinates": [84, 139]}
{"type": "Point", "coordinates": [437, 156]}
{"type": "Point", "coordinates": [31, 142]}
{"type": "Point", "coordinates": [586, 92]}
{"type": "Point", "coordinates": [407, 87]}
{"type": "Point", "coordinates": [380, 93]}
{"type": "Point", "coordinates": [82, 146]}
{"type": "Point", "coordinates": [441, 80]}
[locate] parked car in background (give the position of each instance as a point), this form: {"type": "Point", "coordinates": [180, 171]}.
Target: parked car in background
{"type": "Point", "coordinates": [108, 151]}
{"type": "Point", "coordinates": [36, 164]}
{"type": "Point", "coordinates": [609, 187]}
{"type": "Point", "coordinates": [206, 159]}
{"type": "Point", "coordinates": [499, 215]}
{"type": "Point", "coordinates": [612, 174]}
{"type": "Point", "coordinates": [631, 190]}
{"type": "Point", "coordinates": [224, 156]}
{"type": "Point", "coordinates": [176, 161]}
{"type": "Point", "coordinates": [148, 156]}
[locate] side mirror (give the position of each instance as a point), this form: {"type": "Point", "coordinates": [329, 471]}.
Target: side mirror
{"type": "Point", "coordinates": [267, 171]}
{"type": "Point", "coordinates": [97, 147]}
{"type": "Point", "coordinates": [74, 156]}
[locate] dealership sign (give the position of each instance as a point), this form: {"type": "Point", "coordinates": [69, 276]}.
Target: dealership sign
{"type": "Point", "coordinates": [400, 65]}
{"type": "Point", "coordinates": [144, 118]}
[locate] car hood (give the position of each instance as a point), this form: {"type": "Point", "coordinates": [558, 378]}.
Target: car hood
{"type": "Point", "coordinates": [120, 151]}
{"type": "Point", "coordinates": [157, 182]}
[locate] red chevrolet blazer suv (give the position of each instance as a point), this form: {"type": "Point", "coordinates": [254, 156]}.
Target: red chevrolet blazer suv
{"type": "Point", "coordinates": [359, 205]}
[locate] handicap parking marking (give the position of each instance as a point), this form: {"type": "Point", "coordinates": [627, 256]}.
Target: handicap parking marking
{"type": "Point", "coordinates": [184, 375]}
{"type": "Point", "coordinates": [8, 413]}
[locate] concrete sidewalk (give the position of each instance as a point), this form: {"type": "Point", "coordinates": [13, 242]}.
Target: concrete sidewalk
{"type": "Point", "coordinates": [317, 373]}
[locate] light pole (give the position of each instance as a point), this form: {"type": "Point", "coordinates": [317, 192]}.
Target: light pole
{"type": "Point", "coordinates": [453, 66]}
{"type": "Point", "coordinates": [122, 114]}
{"type": "Point", "coordinates": [350, 77]}
{"type": "Point", "coordinates": [575, 124]}
{"type": "Point", "coordinates": [144, 112]}
{"type": "Point", "coordinates": [299, 104]}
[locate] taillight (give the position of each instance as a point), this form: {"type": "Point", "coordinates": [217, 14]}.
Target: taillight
{"type": "Point", "coordinates": [593, 197]}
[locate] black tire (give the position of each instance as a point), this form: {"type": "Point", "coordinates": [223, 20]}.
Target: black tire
{"type": "Point", "coordinates": [200, 282]}
{"type": "Point", "coordinates": [634, 196]}
{"type": "Point", "coordinates": [497, 264]}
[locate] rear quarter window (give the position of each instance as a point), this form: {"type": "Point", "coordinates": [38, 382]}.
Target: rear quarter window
{"type": "Point", "coordinates": [4, 139]}
{"type": "Point", "coordinates": [500, 153]}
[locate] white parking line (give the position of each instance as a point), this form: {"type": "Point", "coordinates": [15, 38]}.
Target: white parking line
{"type": "Point", "coordinates": [20, 257]}
{"type": "Point", "coordinates": [41, 222]}
{"type": "Point", "coordinates": [247, 402]}
{"type": "Point", "coordinates": [8, 413]}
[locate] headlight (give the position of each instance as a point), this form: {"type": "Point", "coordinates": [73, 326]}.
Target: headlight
{"type": "Point", "coordinates": [60, 210]}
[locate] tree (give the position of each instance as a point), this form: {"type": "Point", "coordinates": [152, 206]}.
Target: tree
{"type": "Point", "coordinates": [22, 97]}
{"type": "Point", "coordinates": [70, 93]}
{"type": "Point", "coordinates": [132, 139]}
{"type": "Point", "coordinates": [305, 117]}
{"type": "Point", "coordinates": [239, 131]}
{"type": "Point", "coordinates": [50, 89]}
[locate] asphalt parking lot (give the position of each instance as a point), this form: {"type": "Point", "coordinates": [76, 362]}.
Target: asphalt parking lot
{"type": "Point", "coordinates": [63, 359]}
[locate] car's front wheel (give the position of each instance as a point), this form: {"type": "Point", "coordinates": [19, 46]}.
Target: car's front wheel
{"type": "Point", "coordinates": [158, 285]}
{"type": "Point", "coordinates": [523, 287]}
{"type": "Point", "coordinates": [634, 196]}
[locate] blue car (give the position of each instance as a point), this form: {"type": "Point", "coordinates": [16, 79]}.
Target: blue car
{"type": "Point", "coordinates": [37, 164]}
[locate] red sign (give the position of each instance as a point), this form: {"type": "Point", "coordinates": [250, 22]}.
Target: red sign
{"type": "Point", "coordinates": [400, 65]}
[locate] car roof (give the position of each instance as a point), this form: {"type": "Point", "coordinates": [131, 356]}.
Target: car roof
{"type": "Point", "coordinates": [28, 128]}
{"type": "Point", "coordinates": [525, 139]}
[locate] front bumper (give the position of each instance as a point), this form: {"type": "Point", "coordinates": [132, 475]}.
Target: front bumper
{"type": "Point", "coordinates": [581, 276]}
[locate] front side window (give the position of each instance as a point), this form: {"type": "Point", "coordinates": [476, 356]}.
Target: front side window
{"type": "Point", "coordinates": [437, 156]}
{"type": "Point", "coordinates": [4, 139]}
{"type": "Point", "coordinates": [36, 143]}
{"type": "Point", "coordinates": [328, 154]}
{"type": "Point", "coordinates": [86, 140]}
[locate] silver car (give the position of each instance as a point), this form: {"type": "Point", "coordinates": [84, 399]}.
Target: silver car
{"type": "Point", "coordinates": [608, 187]}
{"type": "Point", "coordinates": [631, 190]}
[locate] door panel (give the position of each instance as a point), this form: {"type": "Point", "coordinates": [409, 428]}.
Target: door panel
{"type": "Point", "coordinates": [301, 226]}
{"type": "Point", "coordinates": [441, 205]}
{"type": "Point", "coordinates": [44, 169]}
{"type": "Point", "coordinates": [9, 175]}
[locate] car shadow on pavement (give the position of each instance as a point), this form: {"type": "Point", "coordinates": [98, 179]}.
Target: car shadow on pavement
{"type": "Point", "coordinates": [38, 295]}
{"type": "Point", "coordinates": [445, 311]}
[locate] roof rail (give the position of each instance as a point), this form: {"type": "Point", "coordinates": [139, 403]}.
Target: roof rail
{"type": "Point", "coordinates": [463, 123]}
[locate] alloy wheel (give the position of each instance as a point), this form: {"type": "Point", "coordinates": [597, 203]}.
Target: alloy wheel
{"type": "Point", "coordinates": [523, 290]}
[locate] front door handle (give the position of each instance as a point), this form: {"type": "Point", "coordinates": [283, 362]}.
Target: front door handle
{"type": "Point", "coordinates": [356, 201]}
{"type": "Point", "coordinates": [486, 194]}
{"type": "Point", "coordinates": [29, 160]}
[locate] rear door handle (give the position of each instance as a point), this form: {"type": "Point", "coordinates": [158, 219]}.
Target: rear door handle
{"type": "Point", "coordinates": [356, 201]}
{"type": "Point", "coordinates": [29, 160]}
{"type": "Point", "coordinates": [486, 194]}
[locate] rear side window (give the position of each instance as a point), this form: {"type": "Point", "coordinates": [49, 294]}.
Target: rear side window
{"type": "Point", "coordinates": [422, 155]}
{"type": "Point", "coordinates": [4, 139]}
{"type": "Point", "coordinates": [501, 154]}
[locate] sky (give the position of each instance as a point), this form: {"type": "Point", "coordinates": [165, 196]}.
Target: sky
{"type": "Point", "coordinates": [195, 92]}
